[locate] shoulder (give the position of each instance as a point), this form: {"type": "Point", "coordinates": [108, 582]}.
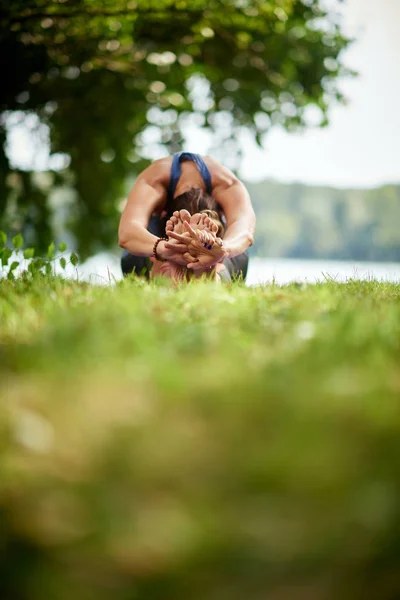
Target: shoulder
{"type": "Point", "coordinates": [228, 190]}
{"type": "Point", "coordinates": [158, 172]}
{"type": "Point", "coordinates": [221, 176]}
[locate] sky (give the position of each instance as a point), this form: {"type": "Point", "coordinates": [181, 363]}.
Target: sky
{"type": "Point", "coordinates": [360, 147]}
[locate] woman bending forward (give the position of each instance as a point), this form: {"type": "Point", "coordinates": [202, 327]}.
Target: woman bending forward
{"type": "Point", "coordinates": [178, 211]}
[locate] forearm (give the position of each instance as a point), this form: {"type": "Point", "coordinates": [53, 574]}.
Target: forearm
{"type": "Point", "coordinates": [136, 239]}
{"type": "Point", "coordinates": [235, 201]}
{"type": "Point", "coordinates": [238, 237]}
{"type": "Point", "coordinates": [147, 197]}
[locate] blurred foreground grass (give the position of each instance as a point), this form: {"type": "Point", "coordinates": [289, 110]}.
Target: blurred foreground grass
{"type": "Point", "coordinates": [199, 443]}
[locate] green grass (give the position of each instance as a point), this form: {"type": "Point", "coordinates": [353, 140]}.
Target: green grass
{"type": "Point", "coordinates": [204, 442]}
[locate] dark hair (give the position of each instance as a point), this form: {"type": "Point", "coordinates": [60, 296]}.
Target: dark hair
{"type": "Point", "coordinates": [196, 200]}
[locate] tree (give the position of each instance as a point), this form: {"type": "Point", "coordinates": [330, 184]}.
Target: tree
{"type": "Point", "coordinates": [99, 73]}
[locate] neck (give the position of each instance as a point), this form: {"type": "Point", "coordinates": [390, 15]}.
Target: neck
{"type": "Point", "coordinates": [185, 186]}
{"type": "Point", "coordinates": [190, 178]}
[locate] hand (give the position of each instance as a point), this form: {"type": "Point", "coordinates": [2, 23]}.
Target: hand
{"type": "Point", "coordinates": [175, 251]}
{"type": "Point", "coordinates": [203, 246]}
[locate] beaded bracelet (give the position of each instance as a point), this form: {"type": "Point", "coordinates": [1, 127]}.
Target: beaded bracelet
{"type": "Point", "coordinates": [157, 256]}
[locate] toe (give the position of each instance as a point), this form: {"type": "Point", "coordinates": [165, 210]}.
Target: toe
{"type": "Point", "coordinates": [195, 219]}
{"type": "Point", "coordinates": [184, 215]}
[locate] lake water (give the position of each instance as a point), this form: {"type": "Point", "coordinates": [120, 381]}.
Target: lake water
{"type": "Point", "coordinates": [104, 268]}
{"type": "Point", "coordinates": [285, 270]}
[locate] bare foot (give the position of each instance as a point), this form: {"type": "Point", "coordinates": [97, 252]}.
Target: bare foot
{"type": "Point", "coordinates": [198, 221]}
{"type": "Point", "coordinates": [175, 223]}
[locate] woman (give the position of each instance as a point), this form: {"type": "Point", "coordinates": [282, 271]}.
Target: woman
{"type": "Point", "coordinates": [199, 223]}
{"type": "Point", "coordinates": [152, 222]}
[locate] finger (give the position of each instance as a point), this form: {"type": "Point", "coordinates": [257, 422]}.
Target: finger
{"type": "Point", "coordinates": [177, 247]}
{"type": "Point", "coordinates": [194, 233]}
{"type": "Point", "coordinates": [179, 236]}
{"type": "Point", "coordinates": [179, 244]}
{"type": "Point", "coordinates": [205, 238]}
{"type": "Point", "coordinates": [187, 256]}
{"type": "Point", "coordinates": [176, 214]}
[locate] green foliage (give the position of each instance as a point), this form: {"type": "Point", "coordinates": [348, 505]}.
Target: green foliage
{"type": "Point", "coordinates": [40, 265]}
{"type": "Point", "coordinates": [13, 266]}
{"type": "Point", "coordinates": [18, 241]}
{"type": "Point", "coordinates": [6, 254]}
{"type": "Point", "coordinates": [99, 73]}
{"type": "Point", "coordinates": [199, 442]}
{"type": "Point", "coordinates": [318, 222]}
{"type": "Point", "coordinates": [74, 259]}
{"type": "Point", "coordinates": [51, 250]}
{"type": "Point", "coordinates": [29, 253]}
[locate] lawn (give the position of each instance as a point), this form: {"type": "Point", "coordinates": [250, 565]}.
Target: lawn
{"type": "Point", "coordinates": [199, 442]}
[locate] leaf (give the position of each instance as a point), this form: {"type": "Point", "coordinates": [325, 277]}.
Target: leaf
{"type": "Point", "coordinates": [7, 253]}
{"type": "Point", "coordinates": [63, 263]}
{"type": "Point", "coordinates": [62, 246]}
{"type": "Point", "coordinates": [48, 268]}
{"type": "Point", "coordinates": [14, 265]}
{"type": "Point", "coordinates": [74, 259]}
{"type": "Point", "coordinates": [3, 239]}
{"type": "Point", "coordinates": [51, 250]}
{"type": "Point", "coordinates": [18, 241]}
{"type": "Point", "coordinates": [29, 253]}
{"type": "Point", "coordinates": [33, 267]}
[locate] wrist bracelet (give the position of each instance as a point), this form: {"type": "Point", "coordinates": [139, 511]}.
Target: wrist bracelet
{"type": "Point", "coordinates": [157, 256]}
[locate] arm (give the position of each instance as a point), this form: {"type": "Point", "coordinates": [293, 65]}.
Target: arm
{"type": "Point", "coordinates": [235, 201]}
{"type": "Point", "coordinates": [148, 194]}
